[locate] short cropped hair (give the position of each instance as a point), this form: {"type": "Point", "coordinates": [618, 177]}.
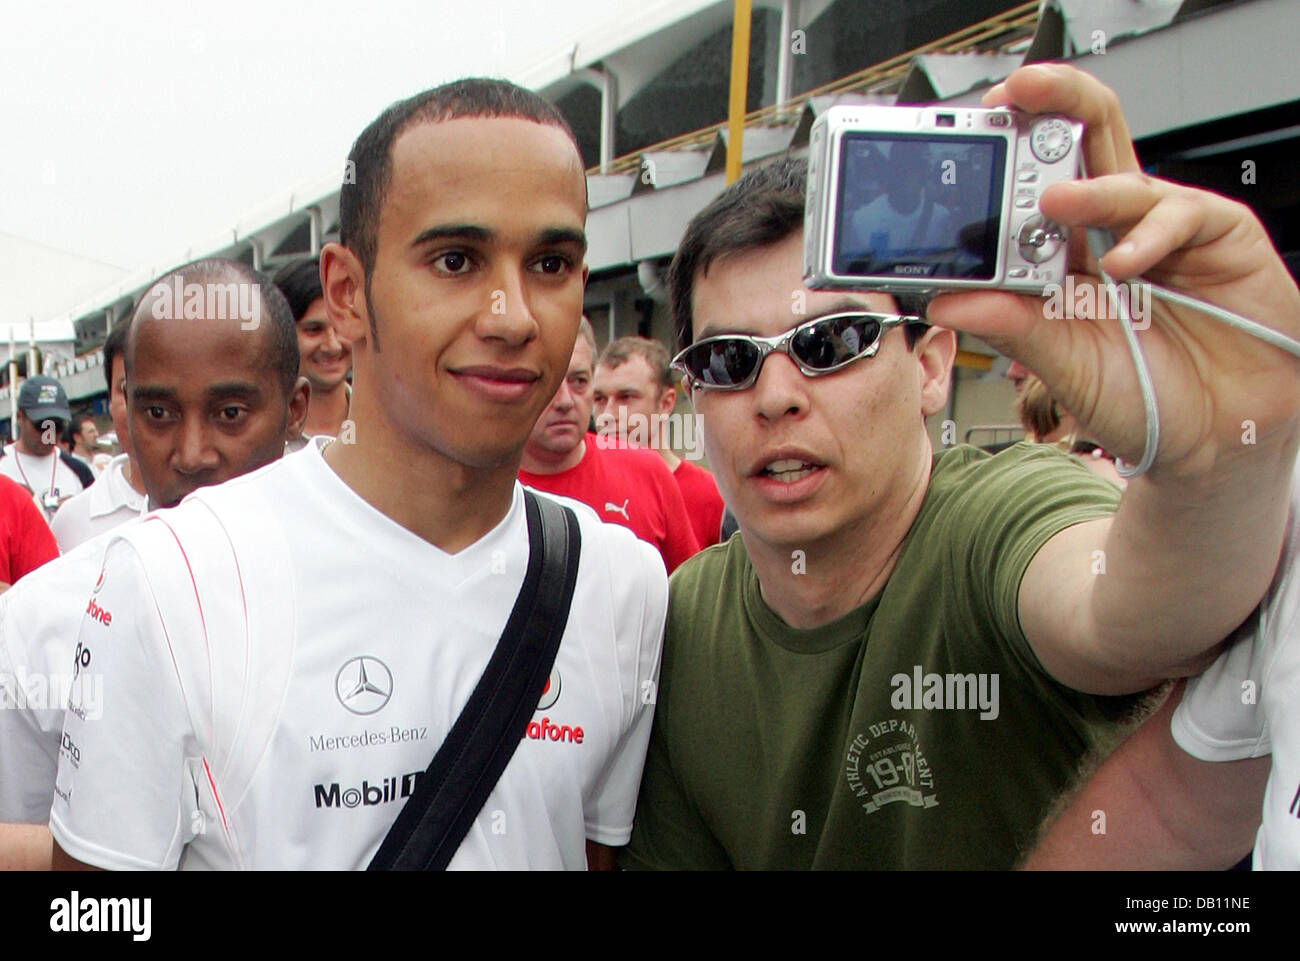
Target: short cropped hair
{"type": "Point", "coordinates": [654, 353]}
{"type": "Point", "coordinates": [115, 344]}
{"type": "Point", "coordinates": [299, 281]}
{"type": "Point", "coordinates": [762, 208]}
{"type": "Point", "coordinates": [586, 332]}
{"type": "Point", "coordinates": [370, 162]}
{"type": "Point", "coordinates": [281, 334]}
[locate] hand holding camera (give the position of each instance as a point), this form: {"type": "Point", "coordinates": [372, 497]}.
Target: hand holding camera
{"type": "Point", "coordinates": [923, 199]}
{"type": "Point", "coordinates": [1210, 379]}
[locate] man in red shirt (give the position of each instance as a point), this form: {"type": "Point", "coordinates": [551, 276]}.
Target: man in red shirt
{"type": "Point", "coordinates": [25, 539]}
{"type": "Point", "coordinates": [634, 399]}
{"type": "Point", "coordinates": [631, 487]}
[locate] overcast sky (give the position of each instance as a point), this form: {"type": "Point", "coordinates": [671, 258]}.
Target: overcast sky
{"type": "Point", "coordinates": [131, 129]}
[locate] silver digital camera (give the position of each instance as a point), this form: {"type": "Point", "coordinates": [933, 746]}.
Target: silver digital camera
{"type": "Point", "coordinates": [924, 199]}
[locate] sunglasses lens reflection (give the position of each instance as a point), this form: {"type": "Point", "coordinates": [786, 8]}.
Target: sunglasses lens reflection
{"type": "Point", "coordinates": [822, 345]}
{"type": "Point", "coordinates": [723, 363]}
{"type": "Point", "coordinates": [833, 341]}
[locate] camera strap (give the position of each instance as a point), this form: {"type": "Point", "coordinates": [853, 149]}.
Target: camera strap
{"type": "Point", "coordinates": [452, 792]}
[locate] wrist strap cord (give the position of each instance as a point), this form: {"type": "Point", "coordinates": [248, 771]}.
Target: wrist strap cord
{"type": "Point", "coordinates": [1100, 241]}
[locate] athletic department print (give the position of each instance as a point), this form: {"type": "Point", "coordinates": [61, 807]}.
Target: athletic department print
{"type": "Point", "coordinates": [291, 737]}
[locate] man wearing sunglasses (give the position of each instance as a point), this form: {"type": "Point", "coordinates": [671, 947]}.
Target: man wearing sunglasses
{"type": "Point", "coordinates": [906, 656]}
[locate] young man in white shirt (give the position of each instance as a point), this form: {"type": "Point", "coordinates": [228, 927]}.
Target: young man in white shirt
{"type": "Point", "coordinates": [292, 705]}
{"type": "Point", "coordinates": [33, 460]}
{"type": "Point", "coordinates": [189, 377]}
{"type": "Point", "coordinates": [119, 494]}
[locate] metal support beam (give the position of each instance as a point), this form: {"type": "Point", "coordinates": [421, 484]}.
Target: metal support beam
{"type": "Point", "coordinates": [739, 86]}
{"type": "Point", "coordinates": [608, 114]}
{"type": "Point", "coordinates": [314, 222]}
{"type": "Point", "coordinates": [604, 79]}
{"type": "Point", "coordinates": [785, 52]}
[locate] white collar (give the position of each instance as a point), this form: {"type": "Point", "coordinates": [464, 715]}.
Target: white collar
{"type": "Point", "coordinates": [112, 491]}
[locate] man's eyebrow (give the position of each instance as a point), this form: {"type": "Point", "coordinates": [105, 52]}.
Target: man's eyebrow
{"type": "Point", "coordinates": [220, 391]}
{"type": "Point", "coordinates": [149, 392]}
{"type": "Point", "coordinates": [233, 389]}
{"type": "Point", "coordinates": [843, 305]}
{"type": "Point", "coordinates": [453, 231]}
{"type": "Point", "coordinates": [563, 235]}
{"type": "Point", "coordinates": [546, 238]}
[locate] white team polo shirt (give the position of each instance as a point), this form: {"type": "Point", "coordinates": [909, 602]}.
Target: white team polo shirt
{"type": "Point", "coordinates": [281, 661]}
{"type": "Point", "coordinates": [40, 618]}
{"type": "Point", "coordinates": [110, 501]}
{"type": "Point", "coordinates": [1247, 704]}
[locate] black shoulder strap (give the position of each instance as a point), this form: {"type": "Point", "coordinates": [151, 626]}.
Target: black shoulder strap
{"type": "Point", "coordinates": [84, 473]}
{"type": "Point", "coordinates": [452, 792]}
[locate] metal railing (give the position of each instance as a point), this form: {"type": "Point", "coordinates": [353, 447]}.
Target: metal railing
{"type": "Point", "coordinates": [1006, 28]}
{"type": "Point", "coordinates": [997, 433]}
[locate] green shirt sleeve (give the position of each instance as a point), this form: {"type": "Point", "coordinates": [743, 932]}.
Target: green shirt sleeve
{"type": "Point", "coordinates": [1012, 505]}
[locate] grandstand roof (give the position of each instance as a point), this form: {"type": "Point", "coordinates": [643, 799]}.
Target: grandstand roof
{"type": "Point", "coordinates": [1176, 63]}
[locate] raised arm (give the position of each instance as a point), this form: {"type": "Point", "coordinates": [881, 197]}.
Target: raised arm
{"type": "Point", "coordinates": [1196, 539]}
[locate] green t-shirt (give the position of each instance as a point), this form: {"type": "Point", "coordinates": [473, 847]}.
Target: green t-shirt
{"type": "Point", "coordinates": [917, 731]}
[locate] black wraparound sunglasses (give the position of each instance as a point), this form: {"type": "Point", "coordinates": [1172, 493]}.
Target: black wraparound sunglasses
{"type": "Point", "coordinates": [820, 346]}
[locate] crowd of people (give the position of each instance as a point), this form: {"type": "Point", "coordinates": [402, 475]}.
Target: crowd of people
{"type": "Point", "coordinates": [299, 580]}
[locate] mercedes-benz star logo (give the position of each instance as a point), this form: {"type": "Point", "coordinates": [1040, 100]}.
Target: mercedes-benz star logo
{"type": "Point", "coordinates": [364, 685]}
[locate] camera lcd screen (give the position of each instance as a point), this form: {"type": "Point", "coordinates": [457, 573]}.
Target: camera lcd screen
{"type": "Point", "coordinates": [919, 205]}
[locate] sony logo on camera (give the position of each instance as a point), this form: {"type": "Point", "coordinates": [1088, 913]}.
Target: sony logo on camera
{"type": "Point", "coordinates": [924, 199]}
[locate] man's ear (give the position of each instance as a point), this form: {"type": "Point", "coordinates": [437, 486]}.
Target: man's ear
{"type": "Point", "coordinates": [667, 400]}
{"type": "Point", "coordinates": [343, 288]}
{"type": "Point", "coordinates": [935, 352]}
{"type": "Point", "coordinates": [299, 401]}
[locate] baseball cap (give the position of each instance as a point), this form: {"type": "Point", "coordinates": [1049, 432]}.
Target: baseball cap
{"type": "Point", "coordinates": [43, 398]}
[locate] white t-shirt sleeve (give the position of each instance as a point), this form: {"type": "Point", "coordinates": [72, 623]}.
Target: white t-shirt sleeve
{"type": "Point", "coordinates": [641, 609]}
{"type": "Point", "coordinates": [125, 768]}
{"type": "Point", "coordinates": [27, 756]}
{"type": "Point", "coordinates": [1220, 718]}
{"type": "Point", "coordinates": [39, 620]}
{"type": "Point", "coordinates": [1224, 714]}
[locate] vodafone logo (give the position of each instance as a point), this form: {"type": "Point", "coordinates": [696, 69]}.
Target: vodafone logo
{"type": "Point", "coordinates": [551, 692]}
{"type": "Point", "coordinates": [99, 583]}
{"type": "Point", "coordinates": [101, 614]}
{"type": "Point", "coordinates": [544, 730]}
